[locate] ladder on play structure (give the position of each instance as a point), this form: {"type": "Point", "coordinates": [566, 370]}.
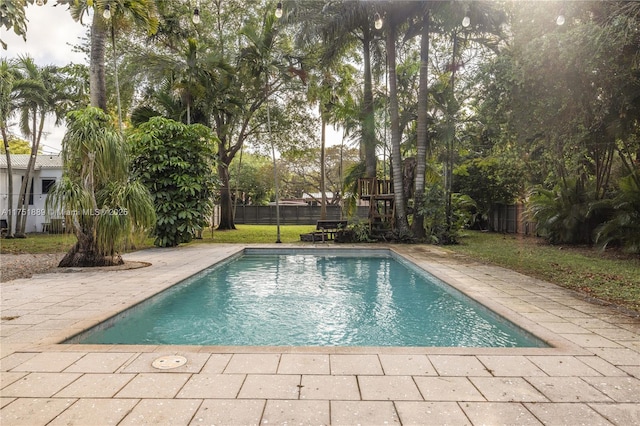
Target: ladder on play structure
{"type": "Point", "coordinates": [379, 194]}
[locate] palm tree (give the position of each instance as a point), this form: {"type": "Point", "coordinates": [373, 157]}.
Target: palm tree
{"type": "Point", "coordinates": [39, 95]}
{"type": "Point", "coordinates": [348, 22]}
{"type": "Point", "coordinates": [143, 12]}
{"type": "Point", "coordinates": [9, 74]}
{"type": "Point", "coordinates": [104, 205]}
{"type": "Point", "coordinates": [401, 221]}
{"type": "Point", "coordinates": [329, 89]}
{"type": "Point", "coordinates": [186, 73]}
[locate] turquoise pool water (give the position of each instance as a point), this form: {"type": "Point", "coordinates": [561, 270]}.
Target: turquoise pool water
{"type": "Point", "coordinates": [311, 300]}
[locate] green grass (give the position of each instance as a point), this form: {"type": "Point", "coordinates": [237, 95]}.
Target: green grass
{"type": "Point", "coordinates": [38, 243]}
{"type": "Point", "coordinates": [610, 277]}
{"type": "Point", "coordinates": [245, 234]}
{"type": "Point", "coordinates": [58, 243]}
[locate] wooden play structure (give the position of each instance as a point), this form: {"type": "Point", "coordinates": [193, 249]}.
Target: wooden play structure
{"type": "Point", "coordinates": [378, 193]}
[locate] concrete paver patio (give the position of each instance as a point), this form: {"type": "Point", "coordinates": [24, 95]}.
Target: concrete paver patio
{"type": "Point", "coordinates": [590, 375]}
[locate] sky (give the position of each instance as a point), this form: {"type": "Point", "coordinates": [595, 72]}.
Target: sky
{"type": "Point", "coordinates": [51, 33]}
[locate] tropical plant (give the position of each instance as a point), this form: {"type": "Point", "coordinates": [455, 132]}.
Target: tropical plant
{"type": "Point", "coordinates": [105, 207]}
{"type": "Point", "coordinates": [490, 181]}
{"type": "Point", "coordinates": [175, 162]}
{"type": "Point", "coordinates": [39, 94]}
{"type": "Point", "coordinates": [142, 12]}
{"type": "Point", "coordinates": [347, 24]}
{"type": "Point", "coordinates": [8, 75]}
{"type": "Point", "coordinates": [624, 226]}
{"type": "Point", "coordinates": [562, 214]}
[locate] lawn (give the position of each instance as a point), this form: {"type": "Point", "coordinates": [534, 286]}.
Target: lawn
{"type": "Point", "coordinates": [611, 276]}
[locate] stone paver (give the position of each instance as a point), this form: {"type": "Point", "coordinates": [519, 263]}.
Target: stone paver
{"type": "Point", "coordinates": [508, 389]}
{"type": "Point", "coordinates": [96, 386]}
{"type": "Point", "coordinates": [448, 389]}
{"type": "Point", "coordinates": [89, 411]}
{"type": "Point", "coordinates": [33, 411]}
{"type": "Point", "coordinates": [285, 412]}
{"type": "Point", "coordinates": [355, 364]}
{"type": "Point", "coordinates": [162, 412]}
{"type": "Point", "coordinates": [154, 385]}
{"type": "Point", "coordinates": [265, 386]}
{"type": "Point", "coordinates": [229, 412]}
{"type": "Point", "coordinates": [435, 413]}
{"type": "Point", "coordinates": [303, 364]}
{"type": "Point", "coordinates": [591, 375]}
{"type": "Point", "coordinates": [619, 414]}
{"type": "Point", "coordinates": [498, 413]}
{"type": "Point", "coordinates": [394, 388]}
{"type": "Point", "coordinates": [329, 387]}
{"type": "Point", "coordinates": [567, 414]}
{"type": "Point", "coordinates": [363, 413]}
{"type": "Point", "coordinates": [567, 389]}
{"type": "Point", "coordinates": [212, 386]}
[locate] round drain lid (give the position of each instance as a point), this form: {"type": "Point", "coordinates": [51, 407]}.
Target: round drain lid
{"type": "Point", "coordinates": [168, 362]}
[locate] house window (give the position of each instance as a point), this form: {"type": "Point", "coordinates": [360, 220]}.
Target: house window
{"type": "Point", "coordinates": [47, 184]}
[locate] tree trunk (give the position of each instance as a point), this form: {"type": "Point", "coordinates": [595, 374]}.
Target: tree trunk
{"type": "Point", "coordinates": [97, 80]}
{"type": "Point", "coordinates": [115, 74]}
{"type": "Point", "coordinates": [422, 131]}
{"type": "Point", "coordinates": [25, 188]}
{"type": "Point", "coordinates": [368, 123]}
{"type": "Point", "coordinates": [84, 254]}
{"type": "Point", "coordinates": [323, 203]}
{"type": "Point", "coordinates": [5, 139]}
{"type": "Point", "coordinates": [226, 204]}
{"type": "Point", "coordinates": [402, 225]}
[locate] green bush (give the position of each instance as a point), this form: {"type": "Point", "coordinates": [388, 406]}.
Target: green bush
{"type": "Point", "coordinates": [562, 214]}
{"type": "Point", "coordinates": [175, 161]}
{"type": "Point", "coordinates": [624, 226]}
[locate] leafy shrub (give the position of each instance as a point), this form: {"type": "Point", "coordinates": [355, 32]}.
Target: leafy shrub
{"type": "Point", "coordinates": [433, 208]}
{"type": "Point", "coordinates": [624, 226]}
{"type": "Point", "coordinates": [561, 214]}
{"type": "Point", "coordinates": [175, 162]}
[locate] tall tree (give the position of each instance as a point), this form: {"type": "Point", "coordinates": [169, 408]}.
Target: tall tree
{"type": "Point", "coordinates": [9, 74]}
{"type": "Point", "coordinates": [39, 97]}
{"type": "Point", "coordinates": [142, 12]}
{"type": "Point", "coordinates": [401, 221]}
{"type": "Point", "coordinates": [348, 22]}
{"type": "Point", "coordinates": [103, 204]}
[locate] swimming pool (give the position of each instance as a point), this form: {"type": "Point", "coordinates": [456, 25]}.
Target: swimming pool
{"type": "Point", "coordinates": [295, 298]}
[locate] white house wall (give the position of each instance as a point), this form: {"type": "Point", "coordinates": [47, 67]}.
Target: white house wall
{"type": "Point", "coordinates": [36, 213]}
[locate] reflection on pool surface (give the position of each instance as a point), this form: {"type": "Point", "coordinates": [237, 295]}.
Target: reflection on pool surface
{"type": "Point", "coordinates": [311, 300]}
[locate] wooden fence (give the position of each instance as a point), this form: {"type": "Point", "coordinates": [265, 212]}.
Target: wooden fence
{"type": "Point", "coordinates": [511, 219]}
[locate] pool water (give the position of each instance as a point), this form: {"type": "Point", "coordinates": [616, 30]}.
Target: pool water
{"type": "Point", "coordinates": [311, 300]}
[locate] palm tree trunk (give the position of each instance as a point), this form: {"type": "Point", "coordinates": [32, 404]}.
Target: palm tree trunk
{"type": "Point", "coordinates": [5, 139]}
{"type": "Point", "coordinates": [323, 203]}
{"type": "Point", "coordinates": [25, 188]}
{"type": "Point", "coordinates": [422, 134]}
{"type": "Point", "coordinates": [402, 224]}
{"type": "Point", "coordinates": [226, 204]}
{"type": "Point", "coordinates": [97, 80]}
{"type": "Point", "coordinates": [115, 74]}
{"type": "Point", "coordinates": [368, 124]}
